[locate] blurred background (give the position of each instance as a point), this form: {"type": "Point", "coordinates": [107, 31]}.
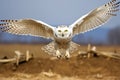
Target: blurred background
{"type": "Point", "coordinates": [59, 12]}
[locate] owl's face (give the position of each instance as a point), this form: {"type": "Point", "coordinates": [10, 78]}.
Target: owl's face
{"type": "Point", "coordinates": [62, 32]}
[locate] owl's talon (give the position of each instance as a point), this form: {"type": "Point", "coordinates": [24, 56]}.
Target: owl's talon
{"type": "Point", "coordinates": [66, 57]}
{"type": "Point", "coordinates": [59, 57]}
{"type": "Point", "coordinates": [58, 54]}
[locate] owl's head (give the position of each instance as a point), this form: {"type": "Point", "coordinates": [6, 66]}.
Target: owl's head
{"type": "Point", "coordinates": [62, 32]}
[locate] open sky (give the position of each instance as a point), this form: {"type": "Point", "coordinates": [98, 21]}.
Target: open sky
{"type": "Point", "coordinates": [52, 12]}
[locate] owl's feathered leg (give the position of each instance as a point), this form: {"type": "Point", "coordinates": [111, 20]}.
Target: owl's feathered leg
{"type": "Point", "coordinates": [58, 54]}
{"type": "Point", "coordinates": [67, 54]}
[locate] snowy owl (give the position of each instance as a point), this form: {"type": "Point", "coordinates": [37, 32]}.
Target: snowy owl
{"type": "Point", "coordinates": [62, 44]}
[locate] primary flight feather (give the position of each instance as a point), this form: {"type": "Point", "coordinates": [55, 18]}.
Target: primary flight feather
{"type": "Point", "coordinates": [61, 35]}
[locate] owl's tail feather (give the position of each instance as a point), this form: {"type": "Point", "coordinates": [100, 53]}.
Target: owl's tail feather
{"type": "Point", "coordinates": [50, 49]}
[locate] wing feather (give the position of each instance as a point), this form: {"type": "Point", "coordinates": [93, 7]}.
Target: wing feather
{"type": "Point", "coordinates": [27, 27]}
{"type": "Point", "coordinates": [95, 18]}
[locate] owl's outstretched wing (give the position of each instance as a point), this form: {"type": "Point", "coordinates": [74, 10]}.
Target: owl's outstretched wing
{"type": "Point", "coordinates": [27, 27]}
{"type": "Point", "coordinates": [95, 18]}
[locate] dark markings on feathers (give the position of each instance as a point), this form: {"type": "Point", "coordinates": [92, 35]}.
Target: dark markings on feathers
{"type": "Point", "coordinates": [113, 7]}
{"type": "Point", "coordinates": [112, 3]}
{"type": "Point", "coordinates": [112, 14]}
{"type": "Point", "coordinates": [8, 20]}
{"type": "Point", "coordinates": [4, 24]}
{"type": "Point", "coordinates": [116, 6]}
{"type": "Point", "coordinates": [114, 10]}
{"type": "Point", "coordinates": [117, 3]}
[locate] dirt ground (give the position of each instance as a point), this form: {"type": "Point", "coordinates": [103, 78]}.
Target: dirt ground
{"type": "Point", "coordinates": [42, 67]}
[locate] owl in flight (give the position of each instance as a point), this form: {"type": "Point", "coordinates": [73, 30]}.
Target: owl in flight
{"type": "Point", "coordinates": [62, 44]}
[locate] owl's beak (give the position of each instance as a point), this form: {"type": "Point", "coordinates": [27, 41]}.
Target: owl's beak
{"type": "Point", "coordinates": [62, 35]}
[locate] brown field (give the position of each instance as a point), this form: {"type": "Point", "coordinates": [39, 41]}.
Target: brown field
{"type": "Point", "coordinates": [44, 68]}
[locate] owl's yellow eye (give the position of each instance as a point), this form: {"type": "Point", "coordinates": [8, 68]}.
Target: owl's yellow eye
{"type": "Point", "coordinates": [59, 30]}
{"type": "Point", "coordinates": [66, 31]}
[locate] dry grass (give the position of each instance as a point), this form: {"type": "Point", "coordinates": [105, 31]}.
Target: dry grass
{"type": "Point", "coordinates": [43, 68]}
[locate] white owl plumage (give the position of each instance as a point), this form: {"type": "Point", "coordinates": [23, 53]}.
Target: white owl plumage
{"type": "Point", "coordinates": [61, 35]}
